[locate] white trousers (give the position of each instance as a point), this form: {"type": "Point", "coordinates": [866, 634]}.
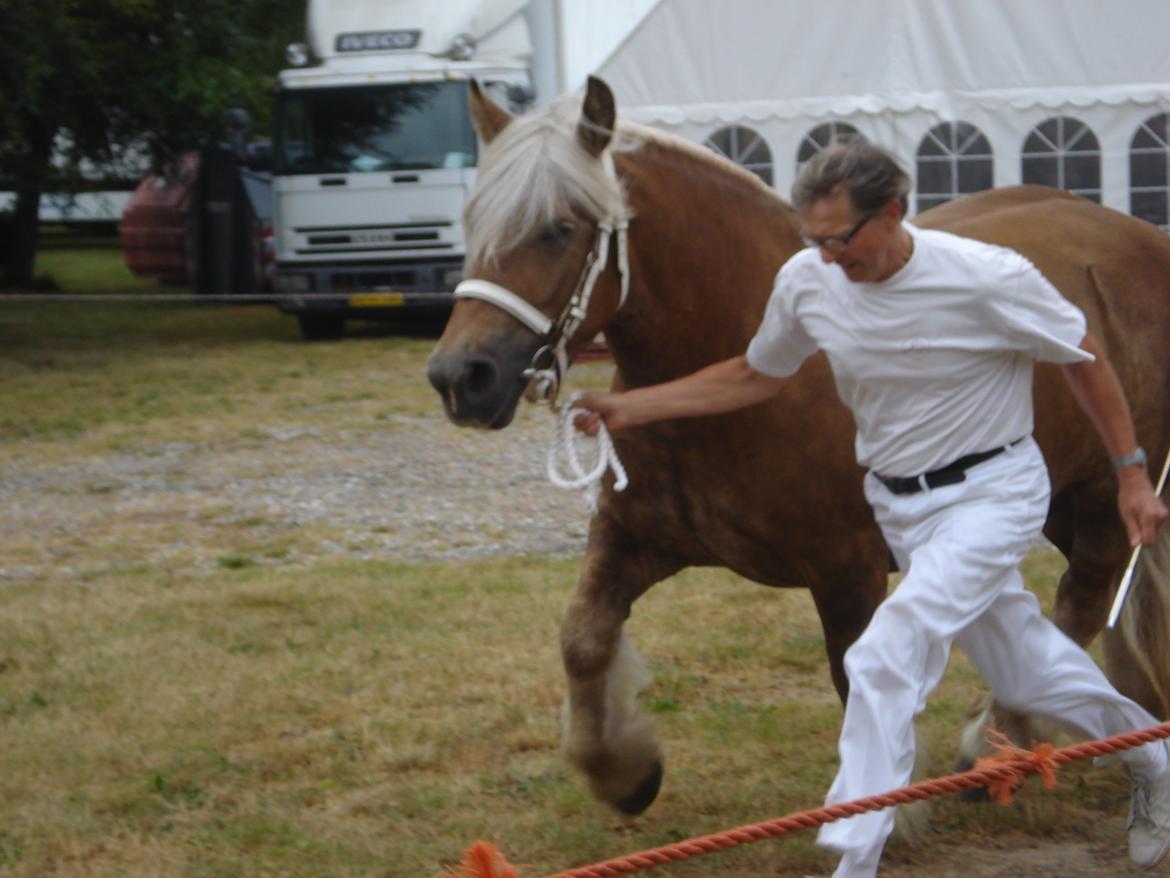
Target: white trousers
{"type": "Point", "coordinates": [960, 547]}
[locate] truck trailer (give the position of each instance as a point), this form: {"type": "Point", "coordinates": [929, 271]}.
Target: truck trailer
{"type": "Point", "coordinates": [374, 153]}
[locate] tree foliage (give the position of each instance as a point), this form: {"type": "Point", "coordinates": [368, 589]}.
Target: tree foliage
{"type": "Point", "coordinates": [102, 80]}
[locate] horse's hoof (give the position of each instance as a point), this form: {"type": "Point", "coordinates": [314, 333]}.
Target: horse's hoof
{"type": "Point", "coordinates": [976, 795]}
{"type": "Point", "coordinates": [647, 791]}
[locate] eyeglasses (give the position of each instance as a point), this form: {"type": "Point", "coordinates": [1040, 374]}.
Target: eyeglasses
{"type": "Point", "coordinates": [837, 243]}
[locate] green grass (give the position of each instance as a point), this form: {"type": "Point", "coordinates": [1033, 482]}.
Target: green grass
{"type": "Point", "coordinates": [109, 374]}
{"type": "Point", "coordinates": [94, 270]}
{"type": "Point", "coordinates": [104, 375]}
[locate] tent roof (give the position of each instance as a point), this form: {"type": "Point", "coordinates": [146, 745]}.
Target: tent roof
{"type": "Point", "coordinates": [757, 59]}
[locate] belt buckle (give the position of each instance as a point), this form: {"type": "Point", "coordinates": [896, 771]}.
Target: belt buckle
{"type": "Point", "coordinates": [901, 485]}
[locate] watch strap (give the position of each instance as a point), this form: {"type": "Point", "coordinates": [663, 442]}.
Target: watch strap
{"type": "Point", "coordinates": [1137, 457]}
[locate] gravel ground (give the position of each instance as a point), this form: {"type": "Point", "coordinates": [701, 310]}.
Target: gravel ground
{"type": "Point", "coordinates": [415, 489]}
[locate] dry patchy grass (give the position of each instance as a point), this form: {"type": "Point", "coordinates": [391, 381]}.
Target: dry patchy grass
{"type": "Point", "coordinates": [80, 377]}
{"type": "Point", "coordinates": [374, 719]}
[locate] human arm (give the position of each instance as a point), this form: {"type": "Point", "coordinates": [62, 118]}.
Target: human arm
{"type": "Point", "coordinates": [723, 387]}
{"type": "Point", "coordinates": [1098, 391]}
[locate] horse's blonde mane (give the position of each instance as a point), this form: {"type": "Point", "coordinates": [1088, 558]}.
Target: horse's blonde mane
{"type": "Point", "coordinates": [536, 173]}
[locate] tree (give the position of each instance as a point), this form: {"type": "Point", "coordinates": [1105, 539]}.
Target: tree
{"type": "Point", "coordinates": [109, 80]}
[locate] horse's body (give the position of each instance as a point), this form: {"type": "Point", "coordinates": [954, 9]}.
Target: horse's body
{"type": "Point", "coordinates": [774, 492]}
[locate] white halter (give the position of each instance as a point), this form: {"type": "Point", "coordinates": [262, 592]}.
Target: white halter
{"type": "Point", "coordinates": [546, 375]}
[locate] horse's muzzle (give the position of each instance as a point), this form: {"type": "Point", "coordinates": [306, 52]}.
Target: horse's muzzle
{"type": "Point", "coordinates": [477, 390]}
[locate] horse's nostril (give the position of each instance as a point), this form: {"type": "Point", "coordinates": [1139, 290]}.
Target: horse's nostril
{"type": "Point", "coordinates": [481, 377]}
{"type": "Point", "coordinates": [438, 376]}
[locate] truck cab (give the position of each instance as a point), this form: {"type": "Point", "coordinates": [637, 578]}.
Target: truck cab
{"type": "Point", "coordinates": [374, 153]}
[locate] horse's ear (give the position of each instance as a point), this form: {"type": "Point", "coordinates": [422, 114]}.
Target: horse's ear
{"type": "Point", "coordinates": [488, 117]}
{"type": "Point", "coordinates": [598, 116]}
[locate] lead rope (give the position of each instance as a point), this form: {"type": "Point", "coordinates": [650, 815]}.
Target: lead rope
{"type": "Point", "coordinates": [564, 446]}
{"type": "Point", "coordinates": [564, 442]}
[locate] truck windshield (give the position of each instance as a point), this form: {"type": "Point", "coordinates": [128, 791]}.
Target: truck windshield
{"type": "Point", "coordinates": [399, 127]}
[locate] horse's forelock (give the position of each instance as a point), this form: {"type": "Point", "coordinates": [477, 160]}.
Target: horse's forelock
{"type": "Point", "coordinates": [532, 174]}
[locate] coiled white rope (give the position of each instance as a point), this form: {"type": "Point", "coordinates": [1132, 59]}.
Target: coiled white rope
{"type": "Point", "coordinates": [579, 479]}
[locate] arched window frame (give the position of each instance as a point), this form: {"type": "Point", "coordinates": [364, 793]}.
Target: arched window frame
{"type": "Point", "coordinates": [1149, 171]}
{"type": "Point", "coordinates": [960, 154]}
{"type": "Point", "coordinates": [1063, 152]}
{"type": "Point", "coordinates": [746, 147]}
{"type": "Point", "coordinates": [825, 134]}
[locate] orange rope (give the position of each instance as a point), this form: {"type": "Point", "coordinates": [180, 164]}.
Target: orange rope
{"type": "Point", "coordinates": [1001, 773]}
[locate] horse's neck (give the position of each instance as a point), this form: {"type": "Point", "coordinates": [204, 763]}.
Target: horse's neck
{"type": "Point", "coordinates": [706, 244]}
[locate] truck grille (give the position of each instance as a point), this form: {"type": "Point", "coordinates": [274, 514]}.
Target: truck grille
{"type": "Point", "coordinates": [367, 239]}
{"type": "Point", "coordinates": [350, 281]}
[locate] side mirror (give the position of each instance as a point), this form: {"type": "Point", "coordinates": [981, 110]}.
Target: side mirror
{"type": "Point", "coordinates": [237, 121]}
{"type": "Point", "coordinates": [520, 97]}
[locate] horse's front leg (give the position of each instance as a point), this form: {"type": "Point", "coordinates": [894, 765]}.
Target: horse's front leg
{"type": "Point", "coordinates": [606, 734]}
{"type": "Point", "coordinates": [845, 601]}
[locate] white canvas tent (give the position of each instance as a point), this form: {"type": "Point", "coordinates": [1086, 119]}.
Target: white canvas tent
{"type": "Point", "coordinates": [968, 93]}
{"type": "Point", "coordinates": [574, 36]}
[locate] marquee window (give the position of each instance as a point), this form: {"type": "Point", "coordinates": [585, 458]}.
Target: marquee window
{"type": "Point", "coordinates": [745, 147]}
{"type": "Point", "coordinates": [1064, 152]}
{"type": "Point", "coordinates": [824, 135]}
{"type": "Point", "coordinates": [1149, 171]}
{"type": "Point", "coordinates": [954, 159]}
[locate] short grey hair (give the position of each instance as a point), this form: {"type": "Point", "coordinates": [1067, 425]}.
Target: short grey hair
{"type": "Point", "coordinates": [868, 173]}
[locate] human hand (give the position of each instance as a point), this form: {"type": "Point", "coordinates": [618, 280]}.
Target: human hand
{"type": "Point", "coordinates": [596, 408]}
{"type": "Point", "coordinates": [1142, 511]}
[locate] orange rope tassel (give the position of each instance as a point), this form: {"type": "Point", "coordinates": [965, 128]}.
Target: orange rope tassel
{"type": "Point", "coordinates": [484, 860]}
{"type": "Point", "coordinates": [1039, 761]}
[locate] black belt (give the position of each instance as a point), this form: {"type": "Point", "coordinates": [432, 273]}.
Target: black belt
{"type": "Point", "coordinates": [951, 474]}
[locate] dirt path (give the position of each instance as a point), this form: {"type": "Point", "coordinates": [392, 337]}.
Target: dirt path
{"type": "Point", "coordinates": [415, 489]}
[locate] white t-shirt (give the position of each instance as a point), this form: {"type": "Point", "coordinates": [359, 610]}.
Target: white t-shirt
{"type": "Point", "coordinates": [936, 361]}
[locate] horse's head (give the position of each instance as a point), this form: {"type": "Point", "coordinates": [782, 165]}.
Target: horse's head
{"type": "Point", "coordinates": [545, 213]}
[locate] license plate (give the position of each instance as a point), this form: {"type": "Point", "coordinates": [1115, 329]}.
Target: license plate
{"type": "Point", "coordinates": [377, 300]}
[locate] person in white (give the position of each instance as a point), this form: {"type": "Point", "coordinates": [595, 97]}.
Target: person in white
{"type": "Point", "coordinates": [932, 340]}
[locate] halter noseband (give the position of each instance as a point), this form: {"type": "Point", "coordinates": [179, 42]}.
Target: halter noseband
{"type": "Point", "coordinates": [551, 362]}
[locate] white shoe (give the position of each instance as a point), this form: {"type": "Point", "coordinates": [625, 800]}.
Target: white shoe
{"type": "Point", "coordinates": [1149, 821]}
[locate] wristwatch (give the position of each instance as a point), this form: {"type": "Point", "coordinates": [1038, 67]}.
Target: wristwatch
{"type": "Point", "coordinates": [1137, 457]}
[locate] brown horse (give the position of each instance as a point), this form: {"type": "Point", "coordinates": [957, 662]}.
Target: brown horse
{"type": "Point", "coordinates": [773, 492]}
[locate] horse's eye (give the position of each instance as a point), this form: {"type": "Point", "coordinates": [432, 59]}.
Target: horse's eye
{"type": "Point", "coordinates": [558, 232]}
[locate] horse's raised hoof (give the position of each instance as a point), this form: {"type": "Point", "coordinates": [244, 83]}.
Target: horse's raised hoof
{"type": "Point", "coordinates": [976, 795]}
{"type": "Point", "coordinates": [643, 797]}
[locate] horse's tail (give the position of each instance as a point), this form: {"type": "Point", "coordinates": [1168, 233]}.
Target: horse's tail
{"type": "Point", "coordinates": [1138, 651]}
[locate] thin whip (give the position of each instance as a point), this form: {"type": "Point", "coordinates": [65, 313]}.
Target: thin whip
{"type": "Point", "coordinates": [580, 479]}
{"type": "Point", "coordinates": [1127, 576]}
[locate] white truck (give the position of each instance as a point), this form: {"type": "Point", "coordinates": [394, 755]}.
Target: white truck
{"type": "Point", "coordinates": [374, 153]}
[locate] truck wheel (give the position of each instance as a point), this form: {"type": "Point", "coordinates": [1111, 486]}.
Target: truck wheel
{"type": "Point", "coordinates": [318, 327]}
